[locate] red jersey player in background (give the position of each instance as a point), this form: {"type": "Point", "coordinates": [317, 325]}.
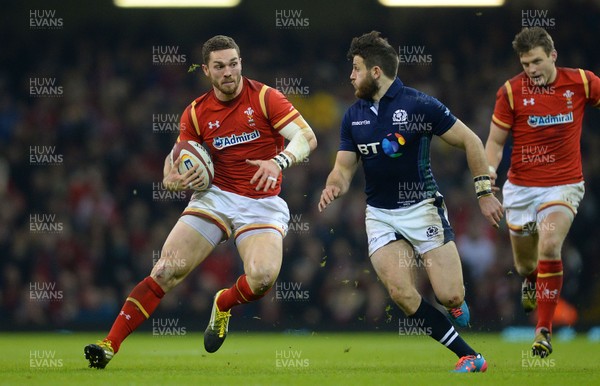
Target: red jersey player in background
{"type": "Point", "coordinates": [543, 109]}
{"type": "Point", "coordinates": [243, 123]}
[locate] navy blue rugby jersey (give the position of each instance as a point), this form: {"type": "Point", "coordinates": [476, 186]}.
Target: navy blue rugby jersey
{"type": "Point", "coordinates": [393, 141]}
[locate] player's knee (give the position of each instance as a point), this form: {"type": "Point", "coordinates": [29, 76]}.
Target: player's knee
{"type": "Point", "coordinates": [261, 279]}
{"type": "Point", "coordinates": [169, 271]}
{"type": "Point", "coordinates": [452, 300]}
{"type": "Point", "coordinates": [525, 267]}
{"type": "Point", "coordinates": [404, 297]}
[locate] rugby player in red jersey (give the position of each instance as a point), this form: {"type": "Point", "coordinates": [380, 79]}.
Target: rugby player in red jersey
{"type": "Point", "coordinates": [543, 108]}
{"type": "Point", "coordinates": [244, 123]}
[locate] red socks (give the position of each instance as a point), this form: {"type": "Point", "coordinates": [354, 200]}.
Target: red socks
{"type": "Point", "coordinates": [239, 293]}
{"type": "Point", "coordinates": [146, 296]}
{"type": "Point", "coordinates": [138, 307]}
{"type": "Point", "coordinates": [548, 287]}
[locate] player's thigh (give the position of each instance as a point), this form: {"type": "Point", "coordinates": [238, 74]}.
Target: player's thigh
{"type": "Point", "coordinates": [182, 251]}
{"type": "Point", "coordinates": [395, 265]}
{"type": "Point", "coordinates": [445, 274]}
{"type": "Point", "coordinates": [262, 255]}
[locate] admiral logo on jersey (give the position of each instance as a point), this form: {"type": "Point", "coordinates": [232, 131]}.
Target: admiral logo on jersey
{"type": "Point", "coordinates": [222, 142]}
{"type": "Point", "coordinates": [548, 120]}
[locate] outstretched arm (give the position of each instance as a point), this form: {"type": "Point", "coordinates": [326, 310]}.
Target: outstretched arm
{"type": "Point", "coordinates": [338, 181]}
{"type": "Point", "coordinates": [461, 136]}
{"type": "Point", "coordinates": [493, 148]}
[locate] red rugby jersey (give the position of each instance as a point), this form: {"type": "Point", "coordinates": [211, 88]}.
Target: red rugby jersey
{"type": "Point", "coordinates": [243, 128]}
{"type": "Point", "coordinates": [545, 122]}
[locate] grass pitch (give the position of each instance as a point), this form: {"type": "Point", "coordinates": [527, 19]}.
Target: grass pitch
{"type": "Point", "coordinates": [281, 359]}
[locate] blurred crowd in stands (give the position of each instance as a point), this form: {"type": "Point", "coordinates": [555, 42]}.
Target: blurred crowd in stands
{"type": "Point", "coordinates": [83, 214]}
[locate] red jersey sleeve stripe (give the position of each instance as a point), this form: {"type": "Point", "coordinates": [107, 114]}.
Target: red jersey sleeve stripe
{"type": "Point", "coordinates": [500, 123]}
{"type": "Point", "coordinates": [509, 94]}
{"type": "Point", "coordinates": [262, 101]}
{"type": "Point", "coordinates": [287, 119]}
{"type": "Point", "coordinates": [586, 85]}
{"type": "Point", "coordinates": [194, 117]}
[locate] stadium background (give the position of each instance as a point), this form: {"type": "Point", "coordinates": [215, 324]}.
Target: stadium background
{"type": "Point", "coordinates": [83, 215]}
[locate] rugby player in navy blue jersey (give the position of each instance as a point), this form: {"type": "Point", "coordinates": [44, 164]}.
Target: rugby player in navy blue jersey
{"type": "Point", "coordinates": [390, 128]}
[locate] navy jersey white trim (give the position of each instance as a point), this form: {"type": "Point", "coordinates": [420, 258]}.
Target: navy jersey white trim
{"type": "Point", "coordinates": [393, 143]}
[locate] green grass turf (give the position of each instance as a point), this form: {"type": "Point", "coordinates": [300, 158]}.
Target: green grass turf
{"type": "Point", "coordinates": [319, 359]}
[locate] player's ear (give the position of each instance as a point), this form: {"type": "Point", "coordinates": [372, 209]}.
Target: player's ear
{"type": "Point", "coordinates": [205, 69]}
{"type": "Point", "coordinates": [376, 72]}
{"type": "Point", "coordinates": [554, 55]}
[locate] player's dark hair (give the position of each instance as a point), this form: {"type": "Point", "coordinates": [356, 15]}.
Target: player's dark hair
{"type": "Point", "coordinates": [530, 38]}
{"type": "Point", "coordinates": [375, 51]}
{"type": "Point", "coordinates": [217, 43]}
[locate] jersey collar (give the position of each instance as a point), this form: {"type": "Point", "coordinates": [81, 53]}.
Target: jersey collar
{"type": "Point", "coordinates": [394, 89]}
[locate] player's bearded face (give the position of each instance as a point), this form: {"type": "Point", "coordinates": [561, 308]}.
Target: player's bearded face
{"type": "Point", "coordinates": [225, 72]}
{"type": "Point", "coordinates": [366, 88]}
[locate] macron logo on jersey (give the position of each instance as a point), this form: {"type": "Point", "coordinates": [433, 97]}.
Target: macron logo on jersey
{"type": "Point", "coordinates": [361, 123]}
{"type": "Point", "coordinates": [548, 120]}
{"type": "Point", "coordinates": [223, 142]}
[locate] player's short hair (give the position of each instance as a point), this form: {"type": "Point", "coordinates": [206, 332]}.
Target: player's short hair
{"type": "Point", "coordinates": [218, 43]}
{"type": "Point", "coordinates": [375, 51]}
{"type": "Point", "coordinates": [530, 38]}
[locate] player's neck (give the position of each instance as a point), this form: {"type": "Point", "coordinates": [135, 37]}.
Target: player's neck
{"type": "Point", "coordinates": [384, 85]}
{"type": "Point", "coordinates": [552, 77]}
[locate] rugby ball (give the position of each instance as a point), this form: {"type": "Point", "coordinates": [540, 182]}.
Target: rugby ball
{"type": "Point", "coordinates": [192, 153]}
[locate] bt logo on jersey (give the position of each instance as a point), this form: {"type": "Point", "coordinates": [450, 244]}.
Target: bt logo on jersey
{"type": "Point", "coordinates": [368, 148]}
{"type": "Point", "coordinates": [391, 144]}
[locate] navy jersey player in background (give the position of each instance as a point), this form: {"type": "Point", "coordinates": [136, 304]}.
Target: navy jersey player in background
{"type": "Point", "coordinates": [405, 212]}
